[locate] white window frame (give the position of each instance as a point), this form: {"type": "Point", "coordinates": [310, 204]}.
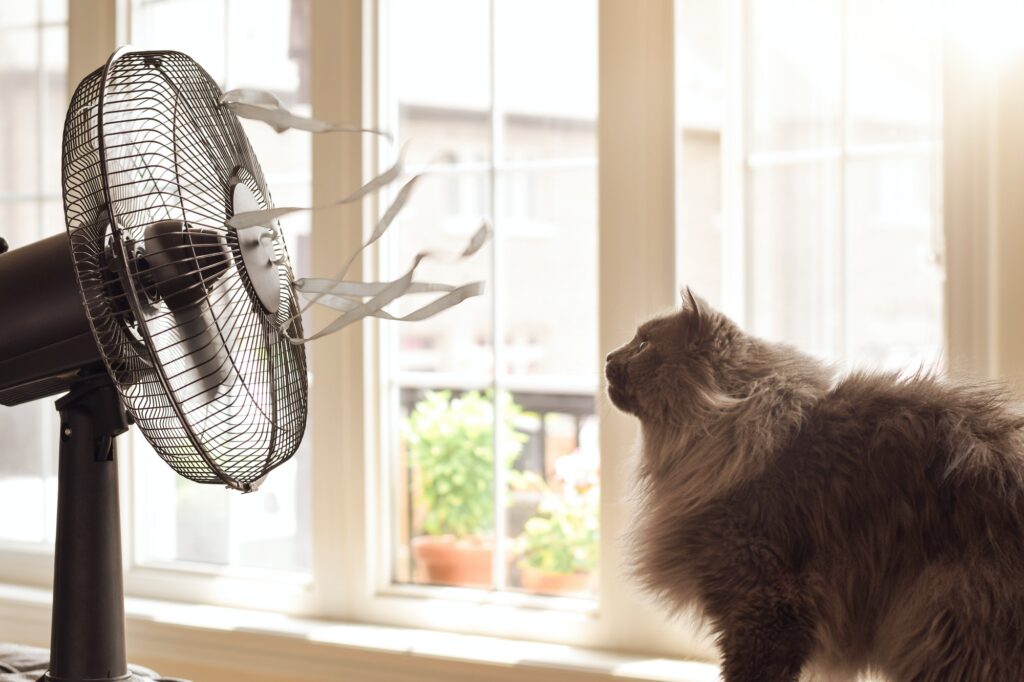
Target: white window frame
{"type": "Point", "coordinates": [347, 490]}
{"type": "Point", "coordinates": [637, 147]}
{"type": "Point", "coordinates": [619, 618]}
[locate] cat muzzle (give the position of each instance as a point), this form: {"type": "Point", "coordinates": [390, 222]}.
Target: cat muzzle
{"type": "Point", "coordinates": [615, 373]}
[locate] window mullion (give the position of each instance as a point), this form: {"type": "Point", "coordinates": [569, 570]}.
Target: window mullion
{"type": "Point", "coordinates": [48, 441]}
{"type": "Point", "coordinates": [343, 558]}
{"type": "Point", "coordinates": [636, 256]}
{"type": "Point", "coordinates": [736, 161]}
{"type": "Point", "coordinates": [92, 30]}
{"type": "Point", "coordinates": [968, 221]}
{"type": "Point", "coordinates": [498, 570]}
{"type": "Point", "coordinates": [742, 91]}
{"type": "Point", "coordinates": [840, 248]}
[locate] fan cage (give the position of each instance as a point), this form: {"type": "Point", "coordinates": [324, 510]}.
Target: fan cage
{"type": "Point", "coordinates": [215, 386]}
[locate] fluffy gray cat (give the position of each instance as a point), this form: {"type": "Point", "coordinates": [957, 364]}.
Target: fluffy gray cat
{"type": "Point", "coordinates": [825, 526]}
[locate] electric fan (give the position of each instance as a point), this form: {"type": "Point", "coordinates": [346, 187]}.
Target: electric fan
{"type": "Point", "coordinates": [150, 310]}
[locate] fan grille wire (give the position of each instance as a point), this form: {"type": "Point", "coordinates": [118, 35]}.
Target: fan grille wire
{"type": "Point", "coordinates": [218, 391]}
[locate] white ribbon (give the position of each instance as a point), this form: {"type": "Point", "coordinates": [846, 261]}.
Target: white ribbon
{"type": "Point", "coordinates": [260, 105]}
{"type": "Point", "coordinates": [267, 216]}
{"type": "Point", "coordinates": [338, 294]}
{"type": "Point", "coordinates": [360, 289]}
{"type": "Point", "coordinates": [457, 295]}
{"type": "Point", "coordinates": [333, 293]}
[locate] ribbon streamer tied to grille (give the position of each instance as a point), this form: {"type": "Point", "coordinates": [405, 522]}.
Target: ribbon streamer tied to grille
{"type": "Point", "coordinates": [353, 300]}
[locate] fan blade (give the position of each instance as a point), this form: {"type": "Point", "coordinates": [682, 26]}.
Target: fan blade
{"type": "Point", "coordinates": [207, 366]}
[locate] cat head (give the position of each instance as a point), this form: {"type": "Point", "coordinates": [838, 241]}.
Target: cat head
{"type": "Point", "coordinates": [678, 364]}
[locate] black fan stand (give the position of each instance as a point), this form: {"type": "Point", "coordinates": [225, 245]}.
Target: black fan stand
{"type": "Point", "coordinates": [47, 348]}
{"type": "Point", "coordinates": [87, 635]}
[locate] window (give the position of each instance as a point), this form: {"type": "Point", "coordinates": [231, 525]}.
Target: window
{"type": "Point", "coordinates": [827, 233]}
{"type": "Point", "coordinates": [33, 68]}
{"type": "Point", "coordinates": [807, 202]}
{"type": "Point", "coordinates": [509, 91]}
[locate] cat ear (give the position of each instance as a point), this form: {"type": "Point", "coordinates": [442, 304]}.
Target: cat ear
{"type": "Point", "coordinates": [696, 305]}
{"type": "Point", "coordinates": [692, 302]}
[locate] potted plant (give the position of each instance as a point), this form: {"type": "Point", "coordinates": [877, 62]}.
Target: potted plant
{"type": "Point", "coordinates": [558, 546]}
{"type": "Point", "coordinates": [450, 441]}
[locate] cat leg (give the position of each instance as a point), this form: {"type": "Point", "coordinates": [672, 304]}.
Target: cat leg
{"type": "Point", "coordinates": [764, 641]}
{"type": "Point", "coordinates": [757, 602]}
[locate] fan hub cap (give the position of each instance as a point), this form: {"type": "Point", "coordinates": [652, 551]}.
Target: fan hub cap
{"type": "Point", "coordinates": [258, 253]}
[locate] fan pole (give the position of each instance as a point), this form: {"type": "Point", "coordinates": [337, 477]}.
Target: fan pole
{"type": "Point", "coordinates": [87, 635]}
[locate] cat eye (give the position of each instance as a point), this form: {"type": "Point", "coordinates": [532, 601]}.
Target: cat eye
{"type": "Point", "coordinates": [643, 344]}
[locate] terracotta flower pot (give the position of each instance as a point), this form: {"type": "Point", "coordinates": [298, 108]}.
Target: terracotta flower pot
{"type": "Point", "coordinates": [537, 580]}
{"type": "Point", "coordinates": [448, 560]}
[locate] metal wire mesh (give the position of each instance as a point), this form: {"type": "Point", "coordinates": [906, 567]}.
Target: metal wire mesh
{"type": "Point", "coordinates": [217, 390]}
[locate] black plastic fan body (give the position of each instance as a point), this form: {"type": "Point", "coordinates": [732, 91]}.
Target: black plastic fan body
{"type": "Point", "coordinates": [149, 311]}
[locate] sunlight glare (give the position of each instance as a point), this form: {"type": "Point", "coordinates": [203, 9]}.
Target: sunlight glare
{"type": "Point", "coordinates": [990, 30]}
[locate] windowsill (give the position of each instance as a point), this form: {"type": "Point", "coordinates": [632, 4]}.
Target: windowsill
{"type": "Point", "coordinates": [275, 644]}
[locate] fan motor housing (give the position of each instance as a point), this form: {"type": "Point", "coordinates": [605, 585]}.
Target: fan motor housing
{"type": "Point", "coordinates": [45, 339]}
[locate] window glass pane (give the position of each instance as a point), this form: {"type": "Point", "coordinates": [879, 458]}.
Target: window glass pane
{"type": "Point", "coordinates": [28, 473]}
{"type": "Point", "coordinates": [701, 75]}
{"type": "Point", "coordinates": [554, 492]}
{"type": "Point", "coordinates": [445, 512]}
{"type": "Point", "coordinates": [701, 100]}
{"type": "Point", "coordinates": [793, 268]}
{"type": "Point", "coordinates": [795, 61]}
{"type": "Point", "coordinates": [20, 14]}
{"type": "Point", "coordinates": [261, 44]}
{"type": "Point", "coordinates": [547, 222]}
{"type": "Point", "coordinates": [443, 368]}
{"type": "Point", "coordinates": [481, 391]}
{"type": "Point", "coordinates": [54, 10]}
{"type": "Point", "coordinates": [51, 214]}
{"type": "Point", "coordinates": [178, 520]}
{"type": "Point", "coordinates": [173, 25]}
{"type": "Point", "coordinates": [548, 229]}
{"type": "Point", "coordinates": [547, 91]}
{"type": "Point", "coordinates": [700, 214]}
{"type": "Point", "coordinates": [445, 211]}
{"type": "Point", "coordinates": [894, 284]}
{"type": "Point", "coordinates": [21, 226]}
{"type": "Point", "coordinates": [19, 110]}
{"type": "Point", "coordinates": [892, 72]}
{"type": "Point", "coordinates": [53, 103]}
{"type": "Point", "coordinates": [438, 84]}
{"type": "Point", "coordinates": [33, 59]}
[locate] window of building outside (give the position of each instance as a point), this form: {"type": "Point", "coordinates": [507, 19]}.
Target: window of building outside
{"type": "Point", "coordinates": [493, 426]}
{"type": "Point", "coordinates": [33, 74]}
